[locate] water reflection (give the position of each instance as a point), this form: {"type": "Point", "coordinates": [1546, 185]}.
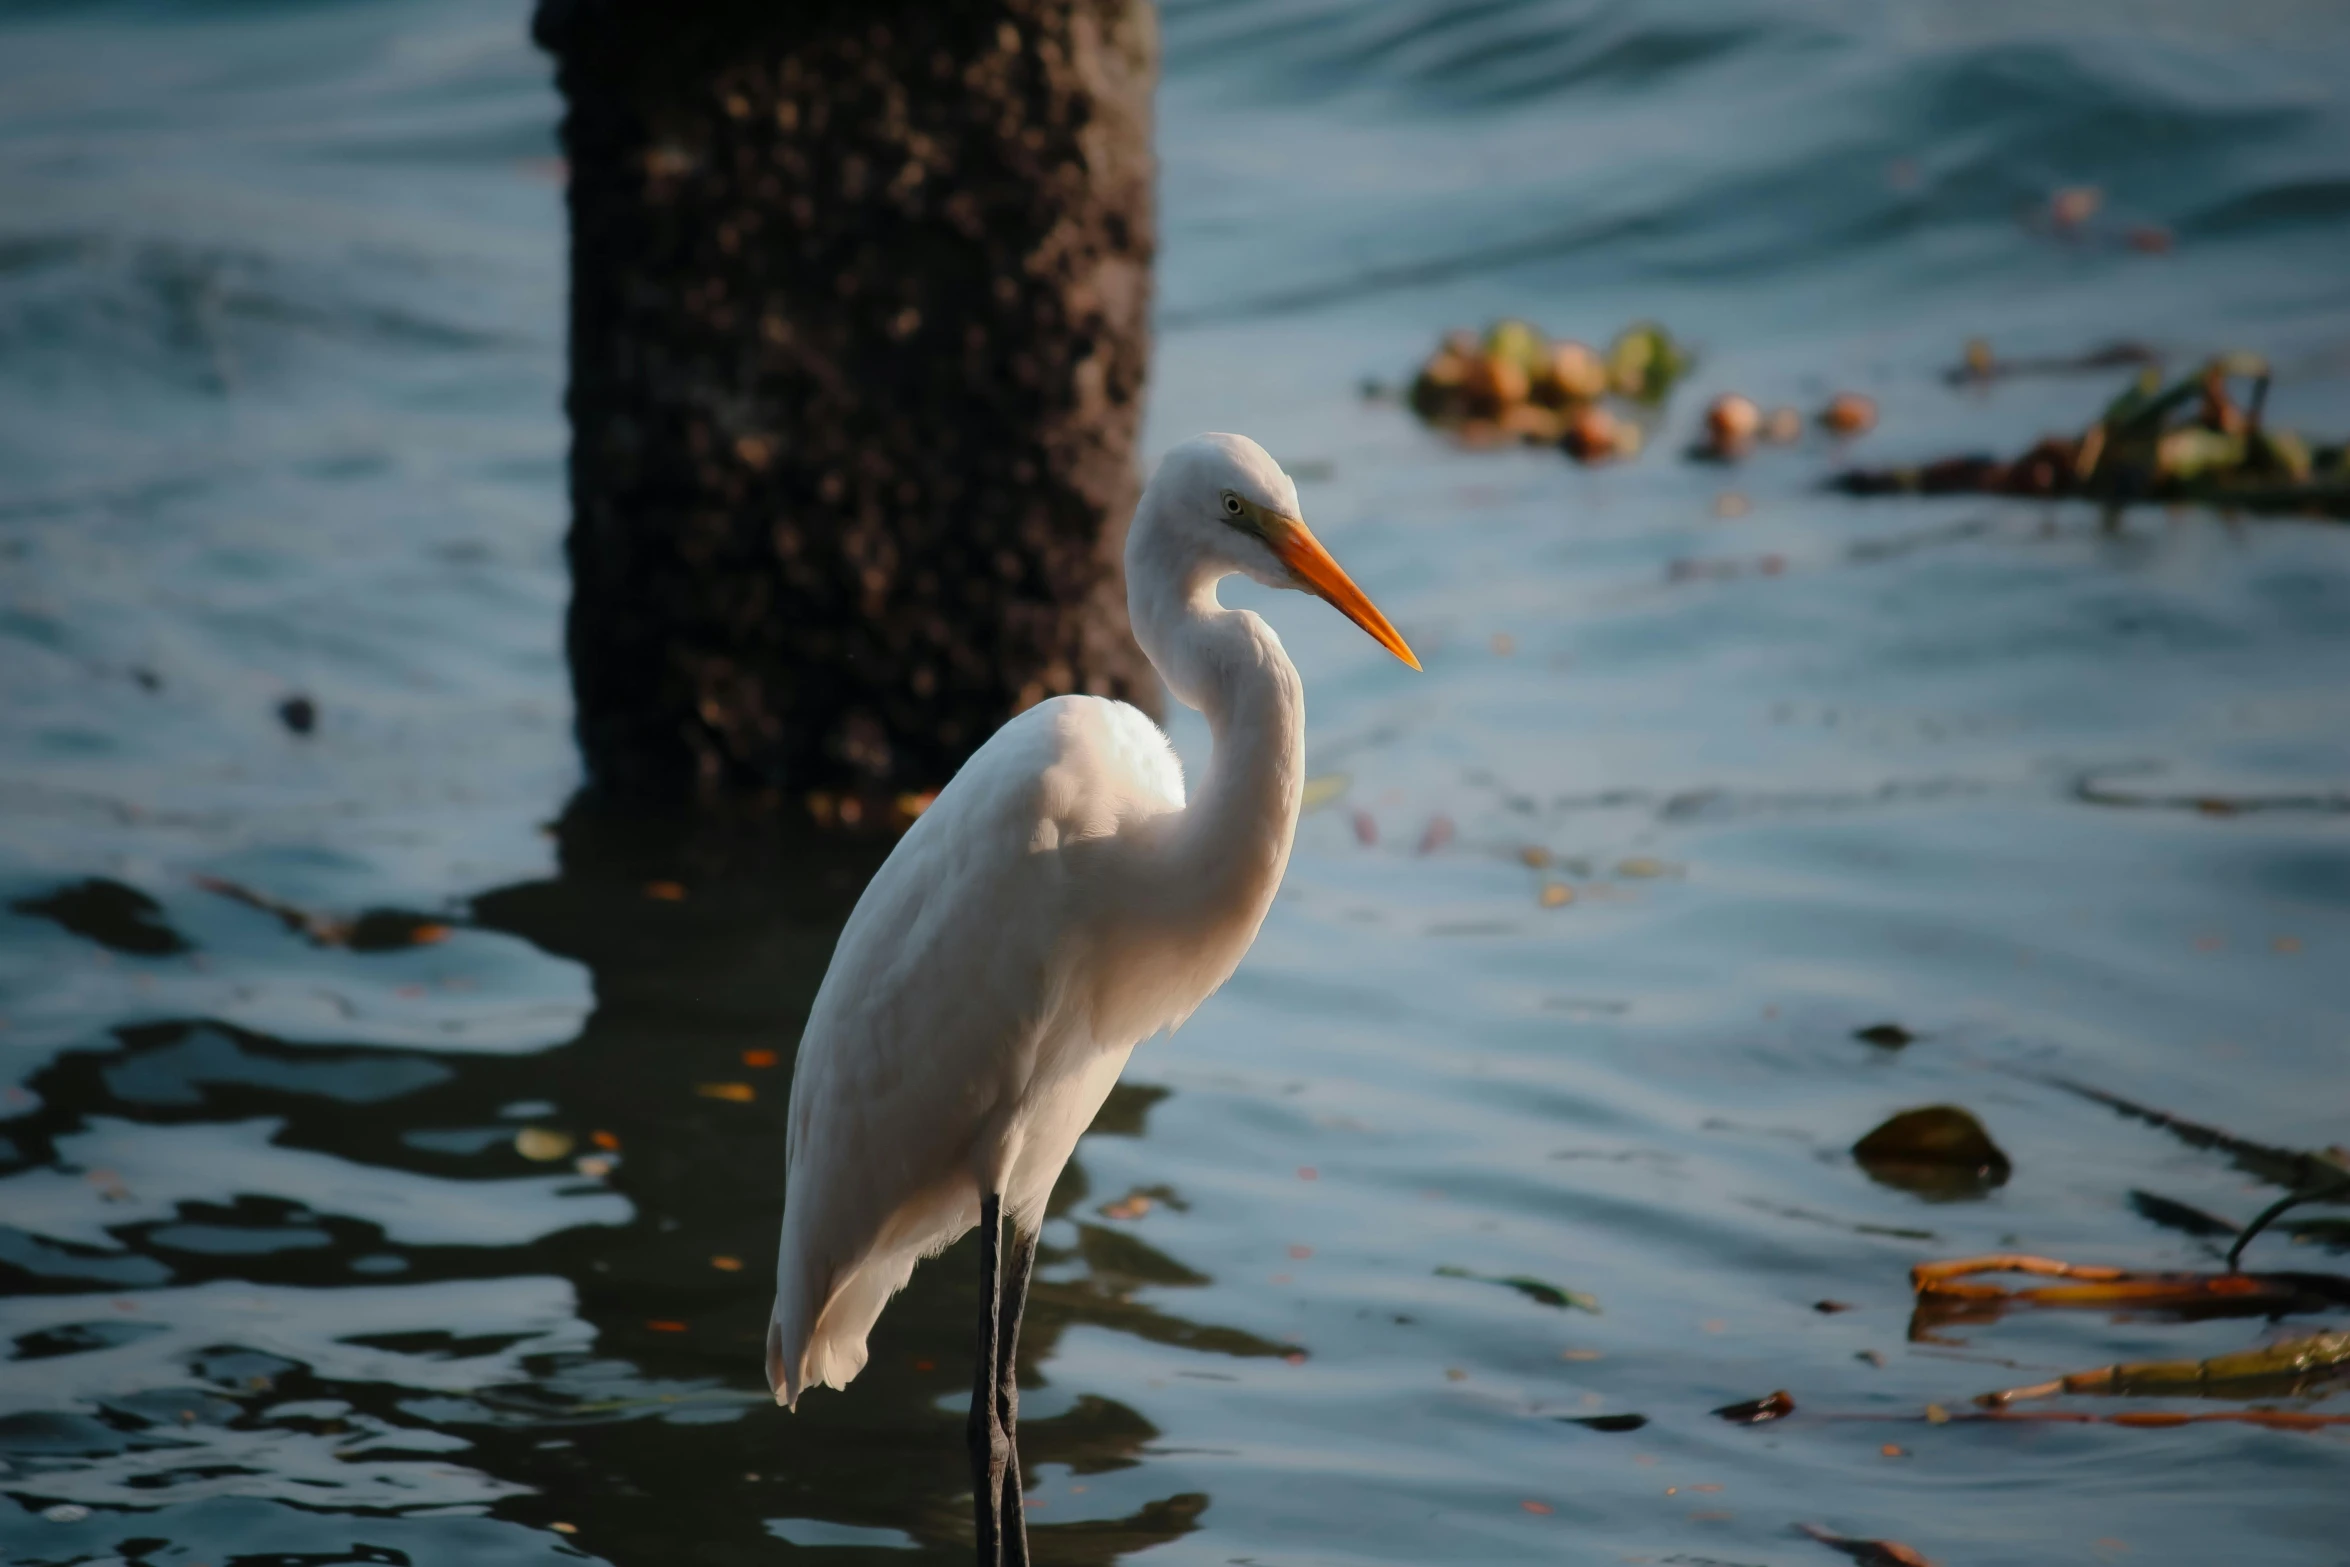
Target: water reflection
{"type": "Point", "coordinates": [248, 1269]}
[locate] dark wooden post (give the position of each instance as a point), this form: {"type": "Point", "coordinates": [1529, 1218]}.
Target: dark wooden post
{"type": "Point", "coordinates": [859, 324]}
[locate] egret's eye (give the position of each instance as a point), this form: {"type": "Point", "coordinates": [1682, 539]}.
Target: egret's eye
{"type": "Point", "coordinates": [1232, 506]}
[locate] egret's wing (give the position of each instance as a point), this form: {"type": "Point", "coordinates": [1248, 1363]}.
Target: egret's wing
{"type": "Point", "coordinates": [944, 984]}
{"type": "Point", "coordinates": [1138, 750]}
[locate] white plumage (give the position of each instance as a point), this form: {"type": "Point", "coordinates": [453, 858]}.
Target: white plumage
{"type": "Point", "coordinates": [1057, 904]}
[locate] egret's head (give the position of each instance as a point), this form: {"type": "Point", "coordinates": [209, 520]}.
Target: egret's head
{"type": "Point", "coordinates": [1227, 500]}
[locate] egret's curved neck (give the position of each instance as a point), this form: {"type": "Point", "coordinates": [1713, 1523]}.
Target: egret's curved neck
{"type": "Point", "coordinates": [1233, 841]}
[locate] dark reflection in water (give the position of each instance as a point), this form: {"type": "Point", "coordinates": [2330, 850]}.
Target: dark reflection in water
{"type": "Point", "coordinates": [308, 1249]}
{"type": "Point", "coordinates": [602, 1373]}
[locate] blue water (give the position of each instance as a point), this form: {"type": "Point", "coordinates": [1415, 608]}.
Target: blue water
{"type": "Point", "coordinates": [281, 295]}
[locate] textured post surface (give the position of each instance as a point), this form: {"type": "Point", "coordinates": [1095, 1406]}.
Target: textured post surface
{"type": "Point", "coordinates": [858, 337]}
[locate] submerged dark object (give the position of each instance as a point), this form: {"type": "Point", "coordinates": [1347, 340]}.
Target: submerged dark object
{"type": "Point", "coordinates": [1885, 1036]}
{"type": "Point", "coordinates": [859, 326]}
{"type": "Point", "coordinates": [1759, 1411]}
{"type": "Point", "coordinates": [1870, 1553]}
{"type": "Point", "coordinates": [298, 713]}
{"type": "Point", "coordinates": [1616, 1423]}
{"type": "Point", "coordinates": [1935, 1151]}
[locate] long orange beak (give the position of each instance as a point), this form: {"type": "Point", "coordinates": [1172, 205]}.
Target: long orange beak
{"type": "Point", "coordinates": [1303, 554]}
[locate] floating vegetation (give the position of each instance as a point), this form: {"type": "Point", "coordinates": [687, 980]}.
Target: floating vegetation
{"type": "Point", "coordinates": [1950, 1284]}
{"type": "Point", "coordinates": [2201, 439]}
{"type": "Point", "coordinates": [2296, 1168]}
{"type": "Point", "coordinates": [1981, 366]}
{"type": "Point", "coordinates": [2190, 441]}
{"type": "Point", "coordinates": [1644, 362]}
{"type": "Point", "coordinates": [2280, 1370]}
{"type": "Point", "coordinates": [1536, 1290]}
{"type": "Point", "coordinates": [1515, 383]}
{"type": "Point", "coordinates": [2309, 1365]}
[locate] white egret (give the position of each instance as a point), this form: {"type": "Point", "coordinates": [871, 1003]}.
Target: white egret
{"type": "Point", "coordinates": [1056, 905]}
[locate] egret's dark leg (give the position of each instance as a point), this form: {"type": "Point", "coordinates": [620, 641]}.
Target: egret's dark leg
{"type": "Point", "coordinates": [990, 1448]}
{"type": "Point", "coordinates": [1014, 1528]}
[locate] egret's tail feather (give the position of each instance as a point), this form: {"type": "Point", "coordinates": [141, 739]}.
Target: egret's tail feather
{"type": "Point", "coordinates": [832, 1352]}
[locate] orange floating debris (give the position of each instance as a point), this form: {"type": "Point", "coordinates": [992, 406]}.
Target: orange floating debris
{"type": "Point", "coordinates": [2097, 1286]}
{"type": "Point", "coordinates": [664, 1325]}
{"type": "Point", "coordinates": [732, 1093]}
{"type": "Point", "coordinates": [1595, 435]}
{"type": "Point", "coordinates": [1731, 424]}
{"type": "Point", "coordinates": [727, 1264]}
{"type": "Point", "coordinates": [665, 891]}
{"type": "Point", "coordinates": [2074, 205]}
{"type": "Point", "coordinates": [1849, 413]}
{"type": "Point", "coordinates": [759, 1058]}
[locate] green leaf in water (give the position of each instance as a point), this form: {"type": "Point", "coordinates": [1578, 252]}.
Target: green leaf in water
{"type": "Point", "coordinates": [1538, 1291]}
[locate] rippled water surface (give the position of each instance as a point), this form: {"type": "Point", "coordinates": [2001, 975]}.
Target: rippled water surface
{"type": "Point", "coordinates": [280, 369]}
